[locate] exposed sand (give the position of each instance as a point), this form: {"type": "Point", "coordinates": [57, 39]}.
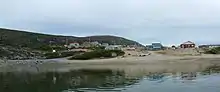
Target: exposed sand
{"type": "Point", "coordinates": [155, 58]}
{"type": "Point", "coordinates": [152, 63]}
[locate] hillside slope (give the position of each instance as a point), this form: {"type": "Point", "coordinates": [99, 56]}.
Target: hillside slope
{"type": "Point", "coordinates": [33, 40]}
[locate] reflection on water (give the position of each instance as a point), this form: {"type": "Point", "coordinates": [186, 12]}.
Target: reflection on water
{"type": "Point", "coordinates": [212, 69]}
{"type": "Point", "coordinates": [58, 81]}
{"type": "Point", "coordinates": [110, 81]}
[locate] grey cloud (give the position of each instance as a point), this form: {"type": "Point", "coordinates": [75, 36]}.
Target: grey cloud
{"type": "Point", "coordinates": [168, 21]}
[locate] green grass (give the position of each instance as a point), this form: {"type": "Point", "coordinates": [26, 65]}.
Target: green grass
{"type": "Point", "coordinates": [98, 54]}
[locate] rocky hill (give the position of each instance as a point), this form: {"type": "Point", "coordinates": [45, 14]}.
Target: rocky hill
{"type": "Point", "coordinates": [15, 53]}
{"type": "Point", "coordinates": [33, 40]}
{"type": "Point", "coordinates": [16, 43]}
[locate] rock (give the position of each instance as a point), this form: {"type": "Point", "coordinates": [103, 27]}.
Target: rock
{"type": "Point", "coordinates": [13, 53]}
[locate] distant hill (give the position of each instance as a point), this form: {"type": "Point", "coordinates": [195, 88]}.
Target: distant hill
{"type": "Point", "coordinates": [19, 38]}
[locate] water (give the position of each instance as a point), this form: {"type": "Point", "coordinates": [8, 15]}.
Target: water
{"type": "Point", "coordinates": [105, 80]}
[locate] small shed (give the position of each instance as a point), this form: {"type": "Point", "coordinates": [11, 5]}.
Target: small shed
{"type": "Point", "coordinates": [188, 44]}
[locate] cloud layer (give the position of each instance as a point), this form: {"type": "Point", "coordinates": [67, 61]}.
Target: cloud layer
{"type": "Point", "coordinates": [167, 21]}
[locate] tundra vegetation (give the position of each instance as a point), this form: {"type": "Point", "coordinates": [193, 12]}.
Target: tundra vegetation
{"type": "Point", "coordinates": [98, 54]}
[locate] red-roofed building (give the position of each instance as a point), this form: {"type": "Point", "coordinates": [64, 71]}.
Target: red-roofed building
{"type": "Point", "coordinates": [188, 44]}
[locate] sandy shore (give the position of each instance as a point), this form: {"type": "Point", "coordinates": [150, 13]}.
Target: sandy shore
{"type": "Point", "coordinates": [149, 63]}
{"type": "Point", "coordinates": [142, 60]}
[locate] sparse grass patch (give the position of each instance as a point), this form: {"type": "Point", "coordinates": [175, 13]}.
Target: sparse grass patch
{"type": "Point", "coordinates": [98, 54]}
{"type": "Point", "coordinates": [213, 51]}
{"type": "Point", "coordinates": [61, 55]}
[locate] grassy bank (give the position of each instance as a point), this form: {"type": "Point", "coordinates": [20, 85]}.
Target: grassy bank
{"type": "Point", "coordinates": [98, 54]}
{"type": "Point", "coordinates": [61, 54]}
{"type": "Point", "coordinates": [213, 51]}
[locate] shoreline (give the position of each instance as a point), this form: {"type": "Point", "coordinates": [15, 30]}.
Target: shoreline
{"type": "Point", "coordinates": [146, 59]}
{"type": "Point", "coordinates": [152, 63]}
{"type": "Point", "coordinates": [134, 60]}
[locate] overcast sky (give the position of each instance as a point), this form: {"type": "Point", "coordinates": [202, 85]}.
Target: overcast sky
{"type": "Point", "coordinates": [145, 21]}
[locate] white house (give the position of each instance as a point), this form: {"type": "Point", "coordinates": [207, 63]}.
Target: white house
{"type": "Point", "coordinates": [113, 47]}
{"type": "Point", "coordinates": [90, 44]}
{"type": "Point", "coordinates": [105, 44]}
{"type": "Point", "coordinates": [95, 43]}
{"type": "Point", "coordinates": [73, 45]}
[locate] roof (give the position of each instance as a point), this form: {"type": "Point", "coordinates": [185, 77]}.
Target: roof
{"type": "Point", "coordinates": [188, 42]}
{"type": "Point", "coordinates": [157, 44]}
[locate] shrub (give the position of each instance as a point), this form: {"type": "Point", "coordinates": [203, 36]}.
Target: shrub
{"type": "Point", "coordinates": [98, 54]}
{"type": "Point", "coordinates": [52, 55]}
{"type": "Point", "coordinates": [213, 51]}
{"type": "Point", "coordinates": [44, 48]}
{"type": "Point", "coordinates": [61, 55]}
{"type": "Point", "coordinates": [3, 52]}
{"type": "Point", "coordinates": [50, 48]}
{"type": "Point", "coordinates": [59, 48]}
{"type": "Point", "coordinates": [71, 53]}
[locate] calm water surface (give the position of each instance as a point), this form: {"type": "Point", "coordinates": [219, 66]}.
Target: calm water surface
{"type": "Point", "coordinates": [104, 80]}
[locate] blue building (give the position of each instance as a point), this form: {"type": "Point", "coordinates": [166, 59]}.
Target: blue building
{"type": "Point", "coordinates": [155, 46]}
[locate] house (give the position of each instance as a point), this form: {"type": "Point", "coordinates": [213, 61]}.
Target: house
{"type": "Point", "coordinates": [95, 43]}
{"type": "Point", "coordinates": [74, 45]}
{"type": "Point", "coordinates": [113, 47]}
{"type": "Point", "coordinates": [155, 46]}
{"type": "Point", "coordinates": [188, 44]}
{"type": "Point", "coordinates": [90, 44]}
{"type": "Point", "coordinates": [86, 44]}
{"type": "Point", "coordinates": [105, 44]}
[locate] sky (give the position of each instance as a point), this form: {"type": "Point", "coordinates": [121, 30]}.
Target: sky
{"type": "Point", "coordinates": [166, 21]}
